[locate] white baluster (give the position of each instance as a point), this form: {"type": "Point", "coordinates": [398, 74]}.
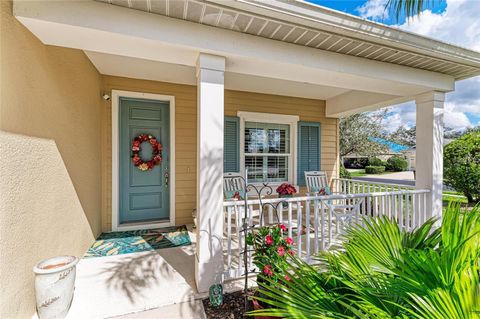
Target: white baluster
{"type": "Point", "coordinates": [415, 212]}
{"type": "Point", "coordinates": [307, 230]}
{"type": "Point", "coordinates": [290, 221]}
{"type": "Point", "coordinates": [280, 213]}
{"type": "Point", "coordinates": [240, 239]}
{"type": "Point", "coordinates": [401, 218]}
{"type": "Point", "coordinates": [229, 237]}
{"type": "Point", "coordinates": [270, 215]}
{"type": "Point", "coordinates": [250, 215]}
{"type": "Point", "coordinates": [315, 203]}
{"type": "Point", "coordinates": [330, 225]}
{"type": "Point", "coordinates": [299, 229]}
{"type": "Point", "coordinates": [407, 211]}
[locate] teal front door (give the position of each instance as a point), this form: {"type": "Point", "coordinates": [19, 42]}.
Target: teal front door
{"type": "Point", "coordinates": [143, 195]}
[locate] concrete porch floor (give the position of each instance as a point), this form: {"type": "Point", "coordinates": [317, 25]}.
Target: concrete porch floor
{"type": "Point", "coordinates": [157, 284]}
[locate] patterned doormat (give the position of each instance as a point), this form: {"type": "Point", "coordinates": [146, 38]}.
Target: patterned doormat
{"type": "Point", "coordinates": [125, 242]}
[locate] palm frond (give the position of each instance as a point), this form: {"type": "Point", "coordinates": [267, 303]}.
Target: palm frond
{"type": "Point", "coordinates": [410, 8]}
{"type": "Point", "coordinates": [386, 272]}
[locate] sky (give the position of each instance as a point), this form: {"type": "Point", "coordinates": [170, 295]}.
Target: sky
{"type": "Point", "coordinates": [452, 21]}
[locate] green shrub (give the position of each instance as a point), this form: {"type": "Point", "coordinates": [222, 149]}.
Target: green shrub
{"type": "Point", "coordinates": [374, 169]}
{"type": "Point", "coordinates": [375, 161]}
{"type": "Point", "coordinates": [355, 162]}
{"type": "Point", "coordinates": [344, 173]}
{"type": "Point", "coordinates": [384, 271]}
{"type": "Point", "coordinates": [462, 165]}
{"type": "Point", "coordinates": [397, 164]}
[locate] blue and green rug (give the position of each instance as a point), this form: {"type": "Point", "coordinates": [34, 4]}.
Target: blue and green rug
{"type": "Point", "coordinates": [125, 242]}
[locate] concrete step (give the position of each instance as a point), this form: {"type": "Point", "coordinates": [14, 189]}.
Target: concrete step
{"type": "Point", "coordinates": [185, 310]}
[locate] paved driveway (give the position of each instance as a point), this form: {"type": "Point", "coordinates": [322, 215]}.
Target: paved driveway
{"type": "Point", "coordinates": [403, 178]}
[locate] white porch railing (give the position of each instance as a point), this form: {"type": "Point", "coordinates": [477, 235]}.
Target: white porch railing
{"type": "Point", "coordinates": [353, 186]}
{"type": "Point", "coordinates": [317, 222]}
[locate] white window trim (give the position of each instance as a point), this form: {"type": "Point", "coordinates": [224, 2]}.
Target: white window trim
{"type": "Point", "coordinates": [291, 120]}
{"type": "Point", "coordinates": [116, 95]}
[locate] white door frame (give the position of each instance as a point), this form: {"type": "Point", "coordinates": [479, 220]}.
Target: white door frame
{"type": "Point", "coordinates": [116, 95]}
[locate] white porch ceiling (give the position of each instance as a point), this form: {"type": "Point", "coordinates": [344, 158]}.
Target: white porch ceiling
{"type": "Point", "coordinates": [134, 43]}
{"type": "Point", "coordinates": [117, 65]}
{"type": "Point", "coordinates": [308, 29]}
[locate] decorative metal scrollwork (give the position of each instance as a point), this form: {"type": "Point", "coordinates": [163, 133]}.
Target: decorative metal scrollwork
{"type": "Point", "coordinates": [260, 192]}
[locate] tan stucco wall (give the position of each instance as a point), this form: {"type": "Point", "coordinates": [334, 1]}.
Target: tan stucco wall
{"type": "Point", "coordinates": [186, 128]}
{"type": "Point", "coordinates": [50, 184]}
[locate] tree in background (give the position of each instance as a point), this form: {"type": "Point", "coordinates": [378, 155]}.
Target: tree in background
{"type": "Point", "coordinates": [453, 134]}
{"type": "Point", "coordinates": [462, 165]}
{"type": "Point", "coordinates": [404, 136]}
{"type": "Point", "coordinates": [356, 132]}
{"type": "Point", "coordinates": [407, 136]}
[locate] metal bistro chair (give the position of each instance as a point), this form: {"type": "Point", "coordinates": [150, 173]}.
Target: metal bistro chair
{"type": "Point", "coordinates": [340, 209]}
{"type": "Point", "coordinates": [233, 183]}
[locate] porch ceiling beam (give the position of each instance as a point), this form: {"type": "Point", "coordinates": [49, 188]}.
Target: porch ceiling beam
{"type": "Point", "coordinates": [359, 101]}
{"type": "Point", "coordinates": [99, 27]}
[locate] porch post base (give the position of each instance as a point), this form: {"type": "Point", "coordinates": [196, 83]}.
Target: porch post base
{"type": "Point", "coordinates": [207, 274]}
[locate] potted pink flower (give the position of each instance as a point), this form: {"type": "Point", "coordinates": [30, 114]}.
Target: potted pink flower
{"type": "Point", "coordinates": [271, 251]}
{"type": "Point", "coordinates": [286, 190]}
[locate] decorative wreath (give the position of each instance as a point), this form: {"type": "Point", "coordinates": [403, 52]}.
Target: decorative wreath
{"type": "Point", "coordinates": [156, 152]}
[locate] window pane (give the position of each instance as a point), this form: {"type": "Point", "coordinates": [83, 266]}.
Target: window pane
{"type": "Point", "coordinates": [267, 168]}
{"type": "Point", "coordinates": [255, 168]}
{"type": "Point", "coordinates": [277, 168]}
{"type": "Point", "coordinates": [267, 138]}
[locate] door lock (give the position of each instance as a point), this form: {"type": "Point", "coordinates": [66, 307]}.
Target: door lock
{"type": "Point", "coordinates": [165, 175]}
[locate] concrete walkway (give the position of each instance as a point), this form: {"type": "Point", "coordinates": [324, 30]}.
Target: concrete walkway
{"type": "Point", "coordinates": [152, 284]}
{"type": "Point", "coordinates": [185, 310]}
{"type": "Point", "coordinates": [130, 283]}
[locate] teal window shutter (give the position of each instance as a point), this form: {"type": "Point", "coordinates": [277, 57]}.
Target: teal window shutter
{"type": "Point", "coordinates": [308, 155]}
{"type": "Point", "coordinates": [231, 146]}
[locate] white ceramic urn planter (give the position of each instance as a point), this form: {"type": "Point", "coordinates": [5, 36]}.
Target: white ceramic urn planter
{"type": "Point", "coordinates": [54, 285]}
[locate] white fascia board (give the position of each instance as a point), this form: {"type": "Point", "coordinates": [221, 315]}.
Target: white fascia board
{"type": "Point", "coordinates": [320, 18]}
{"type": "Point", "coordinates": [357, 101]}
{"type": "Point", "coordinates": [100, 27]}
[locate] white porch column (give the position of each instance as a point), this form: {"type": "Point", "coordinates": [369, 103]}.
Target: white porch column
{"type": "Point", "coordinates": [429, 151]}
{"type": "Point", "coordinates": [210, 105]}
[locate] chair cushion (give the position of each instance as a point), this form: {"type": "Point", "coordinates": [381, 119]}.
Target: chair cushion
{"type": "Point", "coordinates": [322, 190]}
{"type": "Point", "coordinates": [238, 194]}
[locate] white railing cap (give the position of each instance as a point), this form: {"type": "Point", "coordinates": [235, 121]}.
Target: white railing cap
{"type": "Point", "coordinates": [322, 198]}
{"type": "Point", "coordinates": [372, 183]}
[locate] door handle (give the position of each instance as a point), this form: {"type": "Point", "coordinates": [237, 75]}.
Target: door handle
{"type": "Point", "coordinates": [165, 175]}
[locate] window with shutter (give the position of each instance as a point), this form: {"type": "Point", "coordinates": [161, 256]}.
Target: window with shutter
{"type": "Point", "coordinates": [267, 151]}
{"type": "Point", "coordinates": [231, 148]}
{"type": "Point", "coordinates": [308, 149]}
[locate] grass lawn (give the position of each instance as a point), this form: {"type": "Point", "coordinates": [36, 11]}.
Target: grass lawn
{"type": "Point", "coordinates": [448, 196]}
{"type": "Point", "coordinates": [361, 172]}
{"type": "Point", "coordinates": [357, 172]}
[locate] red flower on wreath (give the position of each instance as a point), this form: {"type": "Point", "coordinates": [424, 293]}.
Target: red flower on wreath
{"type": "Point", "coordinates": [156, 152]}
